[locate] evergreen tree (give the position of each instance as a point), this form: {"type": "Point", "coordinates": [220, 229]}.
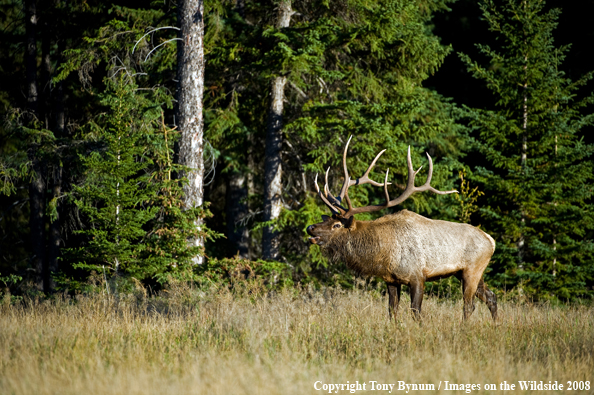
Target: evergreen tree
{"type": "Point", "coordinates": [135, 222]}
{"type": "Point", "coordinates": [538, 170]}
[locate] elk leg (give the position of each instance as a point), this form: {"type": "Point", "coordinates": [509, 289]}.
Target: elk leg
{"type": "Point", "coordinates": [469, 289]}
{"type": "Point", "coordinates": [487, 296]}
{"type": "Point", "coordinates": [394, 299]}
{"type": "Point", "coordinates": [416, 297]}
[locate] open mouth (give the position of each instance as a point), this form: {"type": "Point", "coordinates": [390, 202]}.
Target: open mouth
{"type": "Point", "coordinates": [315, 240]}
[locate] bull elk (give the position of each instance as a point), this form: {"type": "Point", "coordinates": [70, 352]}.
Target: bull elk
{"type": "Point", "coordinates": [404, 248]}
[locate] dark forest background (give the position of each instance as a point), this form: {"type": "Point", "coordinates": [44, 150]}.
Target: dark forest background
{"type": "Point", "coordinates": [506, 124]}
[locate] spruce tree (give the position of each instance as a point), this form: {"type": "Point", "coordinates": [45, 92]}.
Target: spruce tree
{"type": "Point", "coordinates": [537, 169]}
{"type": "Point", "coordinates": [135, 222]}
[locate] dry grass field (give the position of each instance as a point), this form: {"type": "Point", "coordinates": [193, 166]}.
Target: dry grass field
{"type": "Point", "coordinates": [185, 342]}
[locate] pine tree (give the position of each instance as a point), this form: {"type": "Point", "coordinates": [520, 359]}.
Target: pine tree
{"type": "Point", "coordinates": [370, 72]}
{"type": "Point", "coordinates": [538, 170]}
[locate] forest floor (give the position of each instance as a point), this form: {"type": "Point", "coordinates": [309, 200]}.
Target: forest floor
{"type": "Point", "coordinates": [292, 342]}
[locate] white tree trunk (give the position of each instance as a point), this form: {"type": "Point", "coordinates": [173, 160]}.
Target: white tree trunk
{"type": "Point", "coordinates": [190, 74]}
{"type": "Point", "coordinates": [272, 163]}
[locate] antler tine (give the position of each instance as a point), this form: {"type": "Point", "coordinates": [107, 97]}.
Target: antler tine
{"type": "Point", "coordinates": [364, 179]}
{"type": "Point", "coordinates": [344, 155]}
{"type": "Point", "coordinates": [386, 187]}
{"type": "Point", "coordinates": [335, 210]}
{"type": "Point", "coordinates": [347, 178]}
{"type": "Point", "coordinates": [430, 173]}
{"type": "Point", "coordinates": [349, 204]}
{"type": "Point", "coordinates": [329, 195]}
{"type": "Point", "coordinates": [427, 187]}
{"type": "Point", "coordinates": [326, 189]}
{"type": "Point", "coordinates": [411, 170]}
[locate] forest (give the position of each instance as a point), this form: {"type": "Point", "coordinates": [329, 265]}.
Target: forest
{"type": "Point", "coordinates": [122, 165]}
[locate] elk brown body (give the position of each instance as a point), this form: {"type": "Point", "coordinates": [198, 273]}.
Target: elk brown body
{"type": "Point", "coordinates": [405, 248]}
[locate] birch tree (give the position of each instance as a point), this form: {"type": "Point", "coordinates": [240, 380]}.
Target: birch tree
{"type": "Point", "coordinates": [190, 86]}
{"type": "Point", "coordinates": [274, 139]}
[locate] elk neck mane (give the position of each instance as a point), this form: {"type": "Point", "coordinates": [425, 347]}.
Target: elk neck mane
{"type": "Point", "coordinates": [360, 249]}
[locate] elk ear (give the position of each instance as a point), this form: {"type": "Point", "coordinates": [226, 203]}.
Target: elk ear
{"type": "Point", "coordinates": [325, 218]}
{"type": "Point", "coordinates": [349, 222]}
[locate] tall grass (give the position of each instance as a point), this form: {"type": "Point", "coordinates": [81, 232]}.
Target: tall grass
{"type": "Point", "coordinates": [252, 342]}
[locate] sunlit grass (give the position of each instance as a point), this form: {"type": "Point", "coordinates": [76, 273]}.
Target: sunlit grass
{"type": "Point", "coordinates": [252, 342]}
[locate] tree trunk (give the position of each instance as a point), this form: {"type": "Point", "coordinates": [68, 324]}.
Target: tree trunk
{"type": "Point", "coordinates": [55, 229]}
{"type": "Point", "coordinates": [251, 188]}
{"type": "Point", "coordinates": [37, 224]}
{"type": "Point", "coordinates": [523, 161]}
{"type": "Point", "coordinates": [190, 75]}
{"type": "Point", "coordinates": [237, 210]}
{"type": "Point", "coordinates": [272, 162]}
{"type": "Point", "coordinates": [55, 233]}
{"type": "Point", "coordinates": [31, 58]}
{"type": "Point", "coordinates": [45, 80]}
{"type": "Point", "coordinates": [36, 187]}
{"type": "Point", "coordinates": [54, 168]}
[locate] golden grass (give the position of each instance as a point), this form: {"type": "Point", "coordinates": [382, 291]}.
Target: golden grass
{"type": "Point", "coordinates": [254, 343]}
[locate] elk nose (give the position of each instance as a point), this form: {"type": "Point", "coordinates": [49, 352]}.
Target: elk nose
{"type": "Point", "coordinates": [310, 229]}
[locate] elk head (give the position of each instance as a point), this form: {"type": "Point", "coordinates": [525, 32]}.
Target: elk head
{"type": "Point", "coordinates": [330, 227]}
{"type": "Point", "coordinates": [342, 219]}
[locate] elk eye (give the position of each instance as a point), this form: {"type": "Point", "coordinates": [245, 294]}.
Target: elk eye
{"type": "Point", "coordinates": [337, 226]}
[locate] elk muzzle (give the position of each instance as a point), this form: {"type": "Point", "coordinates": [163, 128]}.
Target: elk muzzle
{"type": "Point", "coordinates": [314, 239]}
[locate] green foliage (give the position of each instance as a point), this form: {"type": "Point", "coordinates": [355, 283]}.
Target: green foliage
{"type": "Point", "coordinates": [9, 280]}
{"type": "Point", "coordinates": [13, 168]}
{"type": "Point", "coordinates": [537, 168]}
{"type": "Point", "coordinates": [5, 294]}
{"type": "Point", "coordinates": [132, 207]}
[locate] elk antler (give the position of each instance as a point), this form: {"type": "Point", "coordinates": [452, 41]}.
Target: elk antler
{"type": "Point", "coordinates": [334, 203]}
